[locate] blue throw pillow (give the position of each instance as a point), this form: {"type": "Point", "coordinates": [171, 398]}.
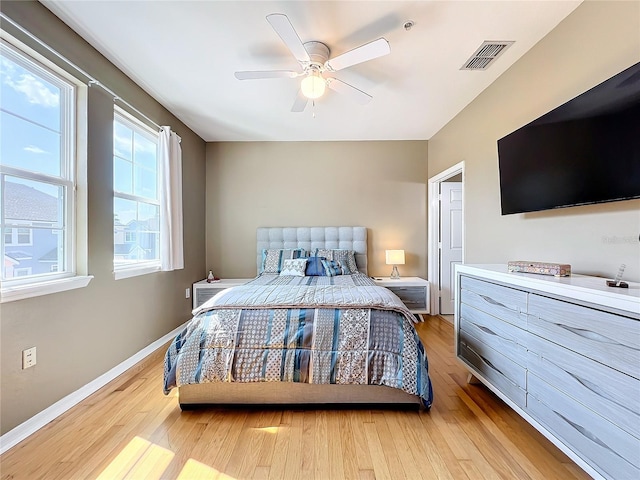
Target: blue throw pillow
{"type": "Point", "coordinates": [314, 267]}
{"type": "Point", "coordinates": [333, 268]}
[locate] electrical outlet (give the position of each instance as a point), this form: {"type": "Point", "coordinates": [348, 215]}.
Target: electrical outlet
{"type": "Point", "coordinates": [28, 357]}
{"type": "Point", "coordinates": [187, 293]}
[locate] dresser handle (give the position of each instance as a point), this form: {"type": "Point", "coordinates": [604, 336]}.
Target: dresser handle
{"type": "Point", "coordinates": [587, 434]}
{"type": "Point", "coordinates": [492, 301]}
{"type": "Point", "coordinates": [595, 389]}
{"type": "Point", "coordinates": [486, 330]}
{"type": "Point", "coordinates": [591, 335]}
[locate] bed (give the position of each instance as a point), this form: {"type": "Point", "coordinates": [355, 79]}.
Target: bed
{"type": "Point", "coordinates": [310, 329]}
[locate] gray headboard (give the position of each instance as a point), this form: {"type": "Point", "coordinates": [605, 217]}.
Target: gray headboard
{"type": "Point", "coordinates": [310, 238]}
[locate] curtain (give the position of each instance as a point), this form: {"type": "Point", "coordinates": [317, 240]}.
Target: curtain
{"type": "Point", "coordinates": [171, 237]}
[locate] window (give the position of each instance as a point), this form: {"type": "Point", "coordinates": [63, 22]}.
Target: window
{"type": "Point", "coordinates": [37, 169]}
{"type": "Point", "coordinates": [136, 201]}
{"type": "Point", "coordinates": [21, 272]}
{"type": "Point", "coordinates": [24, 236]}
{"type": "Point", "coordinates": [18, 236]}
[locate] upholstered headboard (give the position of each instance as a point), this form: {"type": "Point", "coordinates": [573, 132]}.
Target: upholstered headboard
{"type": "Point", "coordinates": [310, 238]}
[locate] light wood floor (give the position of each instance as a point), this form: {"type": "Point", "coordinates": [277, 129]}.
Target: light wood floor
{"type": "Point", "coordinates": [129, 429]}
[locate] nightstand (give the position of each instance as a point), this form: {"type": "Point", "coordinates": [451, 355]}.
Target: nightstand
{"type": "Point", "coordinates": [203, 291]}
{"type": "Point", "coordinates": [413, 291]}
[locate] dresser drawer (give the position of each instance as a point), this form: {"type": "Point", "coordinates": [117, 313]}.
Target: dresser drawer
{"type": "Point", "coordinates": [501, 336]}
{"type": "Point", "coordinates": [415, 298]}
{"type": "Point", "coordinates": [505, 303]}
{"type": "Point", "coordinates": [611, 394]}
{"type": "Point", "coordinates": [608, 449]}
{"type": "Point", "coordinates": [611, 339]}
{"type": "Point", "coordinates": [506, 375]}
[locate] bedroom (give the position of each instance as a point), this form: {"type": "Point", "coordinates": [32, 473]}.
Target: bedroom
{"type": "Point", "coordinates": [559, 67]}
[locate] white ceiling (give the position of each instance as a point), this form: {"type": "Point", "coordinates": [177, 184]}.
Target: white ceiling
{"type": "Point", "coordinates": [185, 53]}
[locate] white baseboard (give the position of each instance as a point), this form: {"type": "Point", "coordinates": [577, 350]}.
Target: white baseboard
{"type": "Point", "coordinates": [35, 423]}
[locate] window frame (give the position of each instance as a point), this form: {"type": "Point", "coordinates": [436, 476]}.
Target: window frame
{"type": "Point", "coordinates": [73, 157]}
{"type": "Point", "coordinates": [135, 268]}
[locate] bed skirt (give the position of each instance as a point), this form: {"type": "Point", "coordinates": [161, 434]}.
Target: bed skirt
{"type": "Point", "coordinates": [280, 393]}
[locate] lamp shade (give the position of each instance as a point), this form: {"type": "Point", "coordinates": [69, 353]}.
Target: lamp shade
{"type": "Point", "coordinates": [313, 85]}
{"type": "Point", "coordinates": [395, 257]}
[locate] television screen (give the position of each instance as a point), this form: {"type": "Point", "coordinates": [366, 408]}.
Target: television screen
{"type": "Point", "coordinates": [585, 151]}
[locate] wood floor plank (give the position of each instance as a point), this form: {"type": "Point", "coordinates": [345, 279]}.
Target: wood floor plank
{"type": "Point", "coordinates": [211, 439]}
{"type": "Point", "coordinates": [388, 445]}
{"type": "Point", "coordinates": [410, 464]}
{"type": "Point", "coordinates": [336, 453]}
{"type": "Point", "coordinates": [268, 445]}
{"type": "Point", "coordinates": [261, 473]}
{"type": "Point", "coordinates": [427, 457]}
{"type": "Point", "coordinates": [294, 454]}
{"type": "Point", "coordinates": [320, 442]}
{"type": "Point", "coordinates": [189, 434]}
{"type": "Point", "coordinates": [381, 469]}
{"type": "Point", "coordinates": [230, 442]}
{"type": "Point", "coordinates": [357, 420]}
{"type": "Point", "coordinates": [129, 428]}
{"type": "Point", "coordinates": [367, 475]}
{"type": "Point", "coordinates": [281, 451]}
{"type": "Point", "coordinates": [348, 446]}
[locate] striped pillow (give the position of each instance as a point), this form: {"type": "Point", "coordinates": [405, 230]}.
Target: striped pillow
{"type": "Point", "coordinates": [273, 258]}
{"type": "Point", "coordinates": [333, 268]}
{"type": "Point", "coordinates": [346, 258]}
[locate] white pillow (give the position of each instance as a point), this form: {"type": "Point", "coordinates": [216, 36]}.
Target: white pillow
{"type": "Point", "coordinates": [295, 267]}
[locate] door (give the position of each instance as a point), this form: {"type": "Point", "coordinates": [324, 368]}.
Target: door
{"type": "Point", "coordinates": [450, 241]}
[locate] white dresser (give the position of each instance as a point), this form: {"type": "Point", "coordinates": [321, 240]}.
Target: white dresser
{"type": "Point", "coordinates": [564, 352]}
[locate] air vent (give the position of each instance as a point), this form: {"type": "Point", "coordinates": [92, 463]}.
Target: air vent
{"type": "Point", "coordinates": [485, 55]}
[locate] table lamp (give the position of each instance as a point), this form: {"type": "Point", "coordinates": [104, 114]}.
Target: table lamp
{"type": "Point", "coordinates": [395, 258]}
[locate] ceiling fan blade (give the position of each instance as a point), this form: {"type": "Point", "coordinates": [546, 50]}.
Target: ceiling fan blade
{"type": "Point", "coordinates": [287, 33]}
{"type": "Point", "coordinates": [300, 103]}
{"type": "Point", "coordinates": [347, 90]}
{"type": "Point", "coordinates": [266, 74]}
{"type": "Point", "coordinates": [360, 54]}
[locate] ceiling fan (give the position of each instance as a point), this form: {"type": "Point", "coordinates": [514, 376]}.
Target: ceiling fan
{"type": "Point", "coordinates": [316, 65]}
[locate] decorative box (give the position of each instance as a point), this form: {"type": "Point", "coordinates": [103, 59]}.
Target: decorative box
{"type": "Point", "coordinates": [555, 269]}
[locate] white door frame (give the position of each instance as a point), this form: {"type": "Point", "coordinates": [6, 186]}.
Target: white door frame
{"type": "Point", "coordinates": [433, 259]}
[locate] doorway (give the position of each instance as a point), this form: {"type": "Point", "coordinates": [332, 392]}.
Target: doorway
{"type": "Point", "coordinates": [445, 236]}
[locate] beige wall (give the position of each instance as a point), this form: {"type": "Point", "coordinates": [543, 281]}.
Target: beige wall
{"type": "Point", "coordinates": [81, 334]}
{"type": "Point", "coordinates": [598, 40]}
{"type": "Point", "coordinates": [378, 185]}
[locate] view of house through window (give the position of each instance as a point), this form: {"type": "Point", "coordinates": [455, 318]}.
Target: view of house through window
{"type": "Point", "coordinates": [136, 204]}
{"type": "Point", "coordinates": [37, 169]}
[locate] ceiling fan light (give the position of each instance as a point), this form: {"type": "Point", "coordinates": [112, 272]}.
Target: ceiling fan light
{"type": "Point", "coordinates": [313, 85]}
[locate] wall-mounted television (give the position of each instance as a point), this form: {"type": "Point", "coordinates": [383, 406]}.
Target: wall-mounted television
{"type": "Point", "coordinates": [585, 151]}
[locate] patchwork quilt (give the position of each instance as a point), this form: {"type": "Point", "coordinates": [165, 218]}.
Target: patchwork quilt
{"type": "Point", "coordinates": [322, 330]}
